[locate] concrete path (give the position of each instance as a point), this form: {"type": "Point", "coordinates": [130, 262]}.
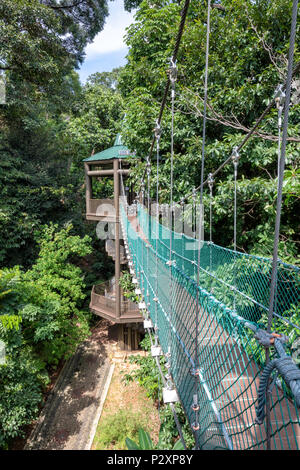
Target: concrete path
{"type": "Point", "coordinates": [69, 418]}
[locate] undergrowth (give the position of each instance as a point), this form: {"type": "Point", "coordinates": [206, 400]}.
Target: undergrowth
{"type": "Point", "coordinates": [147, 376]}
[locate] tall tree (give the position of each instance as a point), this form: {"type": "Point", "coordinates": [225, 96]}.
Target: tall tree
{"type": "Point", "coordinates": [43, 40]}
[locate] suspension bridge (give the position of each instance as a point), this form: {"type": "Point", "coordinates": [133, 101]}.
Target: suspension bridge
{"type": "Point", "coordinates": [221, 318]}
{"type": "Point", "coordinates": [211, 334]}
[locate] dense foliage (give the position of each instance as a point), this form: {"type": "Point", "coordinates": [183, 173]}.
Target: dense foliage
{"type": "Point", "coordinates": [47, 302]}
{"type": "Point", "coordinates": [147, 376]}
{"type": "Point", "coordinates": [49, 255]}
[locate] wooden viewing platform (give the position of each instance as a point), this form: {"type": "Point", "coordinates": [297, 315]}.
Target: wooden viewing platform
{"type": "Point", "coordinates": [106, 307]}
{"type": "Point", "coordinates": [100, 209]}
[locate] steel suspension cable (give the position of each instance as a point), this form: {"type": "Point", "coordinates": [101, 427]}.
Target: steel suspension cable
{"type": "Point", "coordinates": [279, 196]}
{"type": "Point", "coordinates": [174, 58]}
{"type": "Point", "coordinates": [157, 137]}
{"type": "Point", "coordinates": [197, 371]}
{"type": "Point", "coordinates": [173, 77]}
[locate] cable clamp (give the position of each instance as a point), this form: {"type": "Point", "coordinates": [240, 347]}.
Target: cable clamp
{"type": "Point", "coordinates": [168, 354]}
{"type": "Point", "coordinates": [194, 194]}
{"type": "Point", "coordinates": [195, 426]}
{"type": "Point", "coordinates": [195, 406]}
{"type": "Point", "coordinates": [173, 71]}
{"type": "Point", "coordinates": [171, 263]}
{"type": "Point", "coordinates": [195, 371]}
{"type": "Point", "coordinates": [279, 96]}
{"type": "Point", "coordinates": [235, 157]}
{"type": "Point", "coordinates": [156, 351]}
{"type": "Point", "coordinates": [148, 323]}
{"type": "Point", "coordinates": [210, 181]}
{"type": "Point", "coordinates": [267, 339]}
{"type": "Point", "coordinates": [157, 131]}
{"type": "Point", "coordinates": [170, 395]}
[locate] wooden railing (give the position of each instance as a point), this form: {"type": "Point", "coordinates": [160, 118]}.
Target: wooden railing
{"type": "Point", "coordinates": [108, 305]}
{"type": "Point", "coordinates": [111, 250]}
{"type": "Point", "coordinates": [100, 208]}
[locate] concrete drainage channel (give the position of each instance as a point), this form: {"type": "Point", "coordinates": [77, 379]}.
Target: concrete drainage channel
{"type": "Point", "coordinates": [93, 427]}
{"type": "Point", "coordinates": [70, 416]}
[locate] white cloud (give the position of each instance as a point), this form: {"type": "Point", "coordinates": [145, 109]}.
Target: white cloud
{"type": "Point", "coordinates": [110, 39]}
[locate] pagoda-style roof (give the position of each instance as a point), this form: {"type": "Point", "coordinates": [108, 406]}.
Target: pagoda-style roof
{"type": "Point", "coordinates": [117, 151]}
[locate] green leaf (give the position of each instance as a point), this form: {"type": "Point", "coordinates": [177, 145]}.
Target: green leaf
{"type": "Point", "coordinates": [178, 445]}
{"type": "Point", "coordinates": [131, 445]}
{"type": "Point", "coordinates": [145, 440]}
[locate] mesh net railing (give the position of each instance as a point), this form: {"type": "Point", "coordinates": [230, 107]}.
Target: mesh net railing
{"type": "Point", "coordinates": [239, 280]}
{"type": "Point", "coordinates": [207, 325]}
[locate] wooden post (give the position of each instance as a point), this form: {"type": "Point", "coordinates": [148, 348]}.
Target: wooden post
{"type": "Point", "coordinates": [121, 336]}
{"type": "Point", "coordinates": [88, 188]}
{"type": "Point", "coordinates": [117, 239]}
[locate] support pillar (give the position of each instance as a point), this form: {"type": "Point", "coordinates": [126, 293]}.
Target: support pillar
{"type": "Point", "coordinates": [88, 188]}
{"type": "Point", "coordinates": [117, 238]}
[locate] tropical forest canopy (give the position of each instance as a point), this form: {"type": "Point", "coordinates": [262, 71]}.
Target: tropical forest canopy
{"type": "Point", "coordinates": [49, 255]}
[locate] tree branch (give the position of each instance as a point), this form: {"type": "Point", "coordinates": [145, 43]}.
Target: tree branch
{"type": "Point", "coordinates": [65, 7]}
{"type": "Point", "coordinates": [218, 6]}
{"type": "Point", "coordinates": [229, 121]}
{"type": "Point", "coordinates": [268, 48]}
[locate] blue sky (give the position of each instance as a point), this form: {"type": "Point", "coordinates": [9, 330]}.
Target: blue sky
{"type": "Point", "coordinates": [108, 49]}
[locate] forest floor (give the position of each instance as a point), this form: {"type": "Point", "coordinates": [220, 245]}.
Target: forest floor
{"type": "Point", "coordinates": [81, 393]}
{"type": "Point", "coordinates": [127, 408]}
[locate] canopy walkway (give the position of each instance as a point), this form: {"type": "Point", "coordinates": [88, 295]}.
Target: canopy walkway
{"type": "Point", "coordinates": [225, 321]}
{"type": "Point", "coordinates": [208, 332]}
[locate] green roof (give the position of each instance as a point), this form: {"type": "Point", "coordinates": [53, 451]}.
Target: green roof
{"type": "Point", "coordinates": [117, 151]}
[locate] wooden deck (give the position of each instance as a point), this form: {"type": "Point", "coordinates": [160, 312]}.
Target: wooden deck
{"type": "Point", "coordinates": [106, 307]}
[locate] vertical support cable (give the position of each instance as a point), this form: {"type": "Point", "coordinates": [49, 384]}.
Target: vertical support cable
{"type": "Point", "coordinates": [194, 218]}
{"type": "Point", "coordinates": [279, 199]}
{"type": "Point", "coordinates": [210, 185]}
{"type": "Point", "coordinates": [235, 160]}
{"type": "Point", "coordinates": [157, 131]}
{"type": "Point", "coordinates": [148, 233]}
{"type": "Point", "coordinates": [173, 77]}
{"type": "Point", "coordinates": [201, 200]}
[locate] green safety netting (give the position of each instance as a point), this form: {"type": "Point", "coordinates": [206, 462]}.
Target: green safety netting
{"type": "Point", "coordinates": [206, 325]}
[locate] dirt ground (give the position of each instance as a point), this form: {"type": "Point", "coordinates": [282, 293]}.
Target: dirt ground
{"type": "Point", "coordinates": [77, 387]}
{"type": "Point", "coordinates": [130, 398]}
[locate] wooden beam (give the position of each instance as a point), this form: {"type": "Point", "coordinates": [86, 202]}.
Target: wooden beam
{"type": "Point", "coordinates": [106, 172]}
{"type": "Point", "coordinates": [88, 188]}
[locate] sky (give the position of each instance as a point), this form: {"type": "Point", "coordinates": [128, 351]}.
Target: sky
{"type": "Point", "coordinates": [108, 49]}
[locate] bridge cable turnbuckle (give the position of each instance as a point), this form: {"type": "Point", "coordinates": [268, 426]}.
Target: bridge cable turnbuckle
{"type": "Point", "coordinates": [279, 100]}
{"type": "Point", "coordinates": [195, 408]}
{"type": "Point", "coordinates": [235, 156]}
